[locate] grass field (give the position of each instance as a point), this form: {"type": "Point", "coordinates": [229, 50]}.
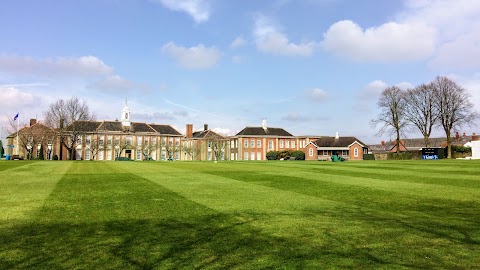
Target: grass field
{"type": "Point", "coordinates": [249, 215]}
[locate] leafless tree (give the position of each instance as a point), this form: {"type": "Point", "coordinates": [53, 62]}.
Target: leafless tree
{"type": "Point", "coordinates": [121, 143]}
{"type": "Point", "coordinates": [70, 117]}
{"type": "Point", "coordinates": [420, 110]}
{"type": "Point", "coordinates": [392, 116]}
{"type": "Point", "coordinates": [192, 149]}
{"type": "Point", "coordinates": [94, 146]}
{"type": "Point", "coordinates": [170, 147]}
{"type": "Point", "coordinates": [454, 108]}
{"type": "Point", "coordinates": [218, 146]}
{"type": "Point", "coordinates": [147, 148]}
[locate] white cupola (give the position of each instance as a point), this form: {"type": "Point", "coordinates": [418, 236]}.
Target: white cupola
{"type": "Point", "coordinates": [125, 118]}
{"type": "Point", "coordinates": [264, 124]}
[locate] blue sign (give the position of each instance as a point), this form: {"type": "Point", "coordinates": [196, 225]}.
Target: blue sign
{"type": "Point", "coordinates": [429, 156]}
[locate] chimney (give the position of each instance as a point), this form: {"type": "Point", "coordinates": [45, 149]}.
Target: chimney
{"type": "Point", "coordinates": [189, 131]}
{"type": "Point", "coordinates": [205, 127]}
{"type": "Point", "coordinates": [33, 122]}
{"type": "Point", "coordinates": [457, 136]}
{"type": "Point", "coordinates": [383, 143]}
{"type": "Point", "coordinates": [464, 137]}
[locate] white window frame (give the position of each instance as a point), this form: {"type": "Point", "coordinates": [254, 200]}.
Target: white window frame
{"type": "Point", "coordinates": [310, 152]}
{"type": "Point", "coordinates": [252, 143]}
{"type": "Point", "coordinates": [252, 156]}
{"type": "Point", "coordinates": [259, 155]}
{"type": "Point", "coordinates": [245, 156]}
{"type": "Point", "coordinates": [287, 144]}
{"type": "Point", "coordinates": [280, 144]}
{"type": "Point", "coordinates": [293, 144]}
{"type": "Point", "coordinates": [259, 144]}
{"type": "Point", "coordinates": [270, 145]}
{"type": "Point", "coordinates": [355, 152]}
{"type": "Point", "coordinates": [245, 143]}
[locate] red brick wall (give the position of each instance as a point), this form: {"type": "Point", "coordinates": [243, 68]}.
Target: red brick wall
{"type": "Point", "coordinates": [307, 152]}
{"type": "Point", "coordinates": [352, 152]}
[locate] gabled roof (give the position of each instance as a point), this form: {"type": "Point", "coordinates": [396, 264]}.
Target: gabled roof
{"type": "Point", "coordinates": [165, 129]}
{"type": "Point", "coordinates": [260, 131]}
{"type": "Point", "coordinates": [37, 128]}
{"type": "Point", "coordinates": [110, 126]}
{"type": "Point", "coordinates": [340, 142]}
{"type": "Point", "coordinates": [207, 134]}
{"type": "Point", "coordinates": [83, 125]}
{"type": "Point", "coordinates": [142, 127]}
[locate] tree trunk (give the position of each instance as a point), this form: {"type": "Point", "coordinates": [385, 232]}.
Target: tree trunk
{"type": "Point", "coordinates": [449, 145]}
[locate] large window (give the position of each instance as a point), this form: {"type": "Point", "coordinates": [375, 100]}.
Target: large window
{"type": "Point", "coordinates": [109, 155]}
{"type": "Point", "coordinates": [245, 143]}
{"type": "Point", "coordinates": [270, 145]}
{"type": "Point", "coordinates": [139, 140]}
{"type": "Point", "coordinates": [87, 154]}
{"type": "Point", "coordinates": [100, 155]}
{"type": "Point", "coordinates": [293, 144]}
{"type": "Point", "coordinates": [281, 143]}
{"type": "Point", "coordinates": [129, 140]}
{"type": "Point", "coordinates": [287, 144]}
{"type": "Point", "coordinates": [252, 143]}
{"type": "Point", "coordinates": [259, 155]}
{"type": "Point", "coordinates": [252, 157]}
{"type": "Point", "coordinates": [259, 144]}
{"type": "Point", "coordinates": [355, 152]}
{"type": "Point", "coordinates": [245, 156]}
{"type": "Point", "coordinates": [139, 155]}
{"type": "Point", "coordinates": [310, 152]}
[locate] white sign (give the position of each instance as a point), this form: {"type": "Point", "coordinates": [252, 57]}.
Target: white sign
{"type": "Point", "coordinates": [476, 149]}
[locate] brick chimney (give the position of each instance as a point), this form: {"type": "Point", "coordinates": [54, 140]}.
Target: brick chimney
{"type": "Point", "coordinates": [383, 143]}
{"type": "Point", "coordinates": [33, 122]}
{"type": "Point", "coordinates": [457, 136]}
{"type": "Point", "coordinates": [205, 127]}
{"type": "Point", "coordinates": [189, 131]}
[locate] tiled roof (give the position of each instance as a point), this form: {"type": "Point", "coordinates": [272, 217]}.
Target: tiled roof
{"type": "Point", "coordinates": [165, 129]}
{"type": "Point", "coordinates": [260, 131]}
{"type": "Point", "coordinates": [87, 126]}
{"type": "Point", "coordinates": [111, 126]}
{"type": "Point", "coordinates": [340, 142]}
{"type": "Point", "coordinates": [37, 128]}
{"type": "Point", "coordinates": [207, 134]}
{"type": "Point", "coordinates": [142, 127]}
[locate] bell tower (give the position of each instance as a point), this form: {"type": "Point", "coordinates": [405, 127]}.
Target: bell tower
{"type": "Point", "coordinates": [125, 115]}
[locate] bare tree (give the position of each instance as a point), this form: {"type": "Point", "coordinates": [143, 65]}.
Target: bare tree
{"type": "Point", "coordinates": [147, 148]}
{"type": "Point", "coordinates": [218, 145]}
{"type": "Point", "coordinates": [94, 146]}
{"type": "Point", "coordinates": [170, 148]}
{"type": "Point", "coordinates": [420, 110]}
{"type": "Point", "coordinates": [192, 149]}
{"type": "Point", "coordinates": [70, 117]}
{"type": "Point", "coordinates": [454, 107]}
{"type": "Point", "coordinates": [392, 116]}
{"type": "Point", "coordinates": [120, 144]}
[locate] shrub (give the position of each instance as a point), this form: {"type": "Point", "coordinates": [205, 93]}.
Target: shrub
{"type": "Point", "coordinates": [55, 157]}
{"type": "Point", "coordinates": [272, 155]}
{"type": "Point", "coordinates": [122, 159]}
{"type": "Point", "coordinates": [298, 155]}
{"type": "Point", "coordinates": [408, 155]}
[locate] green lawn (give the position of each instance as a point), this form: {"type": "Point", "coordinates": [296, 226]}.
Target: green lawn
{"type": "Point", "coordinates": [248, 215]}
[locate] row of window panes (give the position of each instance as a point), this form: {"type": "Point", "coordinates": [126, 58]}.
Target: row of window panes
{"type": "Point", "coordinates": [287, 143]}
{"type": "Point", "coordinates": [252, 156]}
{"type": "Point", "coordinates": [252, 143]}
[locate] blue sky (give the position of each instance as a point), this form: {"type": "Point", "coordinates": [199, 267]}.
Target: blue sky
{"type": "Point", "coordinates": [313, 67]}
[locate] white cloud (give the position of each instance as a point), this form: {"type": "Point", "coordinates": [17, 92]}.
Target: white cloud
{"type": "Point", "coordinates": [237, 59]}
{"type": "Point", "coordinates": [198, 9]}
{"type": "Point", "coordinates": [405, 85]}
{"type": "Point", "coordinates": [238, 42]}
{"type": "Point", "coordinates": [270, 40]}
{"type": "Point", "coordinates": [317, 94]}
{"type": "Point", "coordinates": [115, 84]}
{"type": "Point", "coordinates": [389, 42]}
{"type": "Point", "coordinates": [84, 66]}
{"type": "Point", "coordinates": [223, 131]}
{"type": "Point", "coordinates": [197, 57]}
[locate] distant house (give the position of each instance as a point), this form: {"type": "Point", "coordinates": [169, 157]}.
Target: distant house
{"type": "Point", "coordinates": [349, 148]}
{"type": "Point", "coordinates": [253, 143]}
{"type": "Point", "coordinates": [204, 145]}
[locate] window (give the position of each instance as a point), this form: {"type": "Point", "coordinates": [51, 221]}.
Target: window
{"type": "Point", "coordinates": [310, 152]}
{"type": "Point", "coordinates": [281, 143]}
{"type": "Point", "coordinates": [259, 144]}
{"type": "Point", "coordinates": [344, 152]}
{"type": "Point", "coordinates": [245, 143]}
{"type": "Point", "coordinates": [100, 155]}
{"type": "Point", "coordinates": [232, 156]}
{"type": "Point", "coordinates": [162, 155]}
{"type": "Point", "coordinates": [139, 140]}
{"type": "Point", "coordinates": [88, 140]}
{"type": "Point", "coordinates": [129, 140]}
{"type": "Point", "coordinates": [139, 155]}
{"type": "Point", "coordinates": [117, 141]}
{"type": "Point", "coordinates": [270, 145]}
{"type": "Point", "coordinates": [100, 140]}
{"type": "Point", "coordinates": [109, 140]}
{"type": "Point", "coordinates": [79, 140]}
{"type": "Point", "coordinates": [259, 156]}
{"type": "Point", "coordinates": [355, 152]}
{"type": "Point", "coordinates": [252, 144]}
{"type": "Point", "coordinates": [209, 156]}
{"type": "Point", "coordinates": [245, 156]}
{"type": "Point", "coordinates": [325, 152]}
{"type": "Point", "coordinates": [252, 157]}
{"type": "Point", "coordinates": [287, 144]}
{"type": "Point", "coordinates": [109, 155]}
{"type": "Point", "coordinates": [87, 154]}
{"type": "Point", "coordinates": [293, 144]}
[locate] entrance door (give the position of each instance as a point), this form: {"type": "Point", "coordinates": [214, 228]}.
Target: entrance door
{"type": "Point", "coordinates": [128, 154]}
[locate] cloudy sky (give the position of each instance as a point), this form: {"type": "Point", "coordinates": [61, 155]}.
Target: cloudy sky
{"type": "Point", "coordinates": [309, 66]}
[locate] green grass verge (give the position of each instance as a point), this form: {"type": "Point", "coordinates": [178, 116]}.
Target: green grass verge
{"type": "Point", "coordinates": [247, 215]}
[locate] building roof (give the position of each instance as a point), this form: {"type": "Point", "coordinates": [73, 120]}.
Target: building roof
{"type": "Point", "coordinates": [83, 125]}
{"type": "Point", "coordinates": [110, 126]}
{"type": "Point", "coordinates": [165, 129]}
{"type": "Point", "coordinates": [340, 142]}
{"type": "Point", "coordinates": [35, 129]}
{"type": "Point", "coordinates": [260, 131]}
{"type": "Point", "coordinates": [142, 127]}
{"type": "Point", "coordinates": [207, 134]}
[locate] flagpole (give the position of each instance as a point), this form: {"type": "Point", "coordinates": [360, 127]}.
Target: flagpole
{"type": "Point", "coordinates": [18, 123]}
